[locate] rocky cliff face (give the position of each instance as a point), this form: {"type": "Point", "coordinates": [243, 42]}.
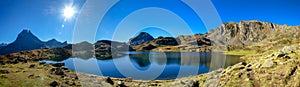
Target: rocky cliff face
{"type": "Point", "coordinates": [246, 33]}
{"type": "Point", "coordinates": [197, 39]}
{"type": "Point", "coordinates": [183, 43]}
{"type": "Point", "coordinates": [106, 49]}
{"type": "Point", "coordinates": [27, 41]}
{"type": "Point", "coordinates": [143, 37]}
{"type": "Point", "coordinates": [229, 36]}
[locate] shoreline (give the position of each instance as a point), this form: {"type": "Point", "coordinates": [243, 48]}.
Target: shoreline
{"type": "Point", "coordinates": [278, 67]}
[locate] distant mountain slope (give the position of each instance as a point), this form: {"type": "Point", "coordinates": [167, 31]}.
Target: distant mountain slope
{"type": "Point", "coordinates": [228, 36]}
{"type": "Point", "coordinates": [143, 37]}
{"type": "Point", "coordinates": [27, 41]}
{"type": "Point", "coordinates": [54, 43]}
{"type": "Point", "coordinates": [2, 45]}
{"type": "Point", "coordinates": [183, 43]}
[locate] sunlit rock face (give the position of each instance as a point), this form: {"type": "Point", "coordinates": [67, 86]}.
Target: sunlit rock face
{"type": "Point", "coordinates": [245, 33]}
{"type": "Point", "coordinates": [143, 37]}
{"type": "Point", "coordinates": [27, 41]}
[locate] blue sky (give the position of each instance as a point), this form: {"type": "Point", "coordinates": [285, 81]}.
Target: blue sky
{"type": "Point", "coordinates": [45, 17]}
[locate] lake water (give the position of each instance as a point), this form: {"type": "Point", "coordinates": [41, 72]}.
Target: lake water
{"type": "Point", "coordinates": [152, 65]}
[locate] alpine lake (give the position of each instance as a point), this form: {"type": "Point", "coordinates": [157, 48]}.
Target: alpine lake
{"type": "Point", "coordinates": [151, 65]}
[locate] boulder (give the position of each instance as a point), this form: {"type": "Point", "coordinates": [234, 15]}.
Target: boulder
{"type": "Point", "coordinates": [21, 59]}
{"type": "Point", "coordinates": [121, 84]}
{"type": "Point", "coordinates": [267, 63]}
{"type": "Point", "coordinates": [32, 66]}
{"type": "Point", "coordinates": [54, 84]}
{"type": "Point", "coordinates": [58, 64]}
{"type": "Point", "coordinates": [108, 80]}
{"type": "Point", "coordinates": [42, 63]}
{"type": "Point", "coordinates": [4, 71]}
{"type": "Point", "coordinates": [59, 71]}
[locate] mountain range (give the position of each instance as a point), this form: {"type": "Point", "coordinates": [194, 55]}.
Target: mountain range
{"type": "Point", "coordinates": [27, 41]}
{"type": "Point", "coordinates": [229, 36]}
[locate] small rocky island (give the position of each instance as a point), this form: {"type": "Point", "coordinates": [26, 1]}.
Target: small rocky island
{"type": "Point", "coordinates": [271, 55]}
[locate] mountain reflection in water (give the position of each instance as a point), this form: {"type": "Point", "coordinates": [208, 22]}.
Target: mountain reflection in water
{"type": "Point", "coordinates": [174, 64]}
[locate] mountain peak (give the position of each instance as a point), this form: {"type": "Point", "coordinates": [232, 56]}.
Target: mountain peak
{"type": "Point", "coordinates": [143, 37]}
{"type": "Point", "coordinates": [53, 40]}
{"type": "Point", "coordinates": [27, 41]}
{"type": "Point", "coordinates": [143, 33]}
{"type": "Point", "coordinates": [25, 32]}
{"type": "Point", "coordinates": [26, 36]}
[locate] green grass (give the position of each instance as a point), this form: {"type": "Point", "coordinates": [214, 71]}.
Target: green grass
{"type": "Point", "coordinates": [239, 53]}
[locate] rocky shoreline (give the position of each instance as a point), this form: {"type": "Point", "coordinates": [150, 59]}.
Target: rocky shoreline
{"type": "Point", "coordinates": [271, 68]}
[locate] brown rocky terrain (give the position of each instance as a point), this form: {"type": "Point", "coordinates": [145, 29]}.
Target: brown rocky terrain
{"type": "Point", "coordinates": [277, 67]}
{"type": "Point", "coordinates": [183, 43]}
{"type": "Point", "coordinates": [231, 36]}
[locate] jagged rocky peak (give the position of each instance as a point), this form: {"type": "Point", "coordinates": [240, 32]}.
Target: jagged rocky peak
{"type": "Point", "coordinates": [28, 41]}
{"type": "Point", "coordinates": [143, 37]}
{"type": "Point", "coordinates": [26, 35]}
{"type": "Point", "coordinates": [25, 32]}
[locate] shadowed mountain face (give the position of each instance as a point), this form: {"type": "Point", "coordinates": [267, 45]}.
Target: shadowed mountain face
{"type": "Point", "coordinates": [106, 49]}
{"type": "Point", "coordinates": [54, 43]}
{"type": "Point", "coordinates": [143, 37]}
{"type": "Point", "coordinates": [27, 41]}
{"type": "Point", "coordinates": [2, 45]}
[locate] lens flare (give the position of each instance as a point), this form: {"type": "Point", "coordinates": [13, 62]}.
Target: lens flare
{"type": "Point", "coordinates": [69, 12]}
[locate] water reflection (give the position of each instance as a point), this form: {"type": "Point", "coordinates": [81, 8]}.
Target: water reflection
{"type": "Point", "coordinates": [185, 64]}
{"type": "Point", "coordinates": [218, 60]}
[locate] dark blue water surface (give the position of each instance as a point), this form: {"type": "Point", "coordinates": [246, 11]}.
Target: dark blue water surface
{"type": "Point", "coordinates": [142, 65]}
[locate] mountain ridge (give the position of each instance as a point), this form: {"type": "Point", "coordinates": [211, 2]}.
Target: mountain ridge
{"type": "Point", "coordinates": [228, 36]}
{"type": "Point", "coordinates": [28, 41]}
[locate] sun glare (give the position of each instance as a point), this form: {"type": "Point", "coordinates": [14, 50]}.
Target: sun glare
{"type": "Point", "coordinates": [69, 12]}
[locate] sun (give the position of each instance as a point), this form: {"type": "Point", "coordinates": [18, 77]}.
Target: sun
{"type": "Point", "coordinates": [69, 12]}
